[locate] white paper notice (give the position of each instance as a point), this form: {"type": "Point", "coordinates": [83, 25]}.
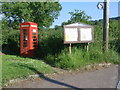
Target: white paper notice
{"type": "Point", "coordinates": [86, 34]}
{"type": "Point", "coordinates": [71, 34]}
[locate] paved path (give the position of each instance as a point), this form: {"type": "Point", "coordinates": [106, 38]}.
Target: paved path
{"type": "Point", "coordinates": [102, 78]}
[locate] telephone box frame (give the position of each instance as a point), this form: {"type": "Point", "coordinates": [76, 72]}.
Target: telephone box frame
{"type": "Point", "coordinates": [28, 44]}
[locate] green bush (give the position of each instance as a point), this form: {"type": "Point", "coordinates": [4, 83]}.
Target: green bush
{"type": "Point", "coordinates": [50, 42]}
{"type": "Point", "coordinates": [111, 56]}
{"type": "Point", "coordinates": [10, 42]}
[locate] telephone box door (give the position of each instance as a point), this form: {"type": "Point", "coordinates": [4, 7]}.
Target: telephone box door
{"type": "Point", "coordinates": [28, 39]}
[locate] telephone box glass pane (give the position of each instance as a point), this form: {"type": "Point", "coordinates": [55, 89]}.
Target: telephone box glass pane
{"type": "Point", "coordinates": [34, 42]}
{"type": "Point", "coordinates": [34, 36]}
{"type": "Point", "coordinates": [33, 33]}
{"type": "Point", "coordinates": [34, 39]}
{"type": "Point", "coordinates": [24, 42]}
{"type": "Point", "coordinates": [25, 45]}
{"type": "Point", "coordinates": [34, 46]}
{"type": "Point", "coordinates": [34, 30]}
{"type": "Point", "coordinates": [25, 38]}
{"type": "Point", "coordinates": [25, 33]}
{"type": "Point", "coordinates": [24, 30]}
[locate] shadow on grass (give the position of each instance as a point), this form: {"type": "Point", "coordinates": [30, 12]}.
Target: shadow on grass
{"type": "Point", "coordinates": [41, 75]}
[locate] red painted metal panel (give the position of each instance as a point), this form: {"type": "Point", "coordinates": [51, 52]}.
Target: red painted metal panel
{"type": "Point", "coordinates": [28, 39]}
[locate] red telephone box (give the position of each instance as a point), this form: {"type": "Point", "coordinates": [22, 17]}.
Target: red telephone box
{"type": "Point", "coordinates": [28, 39]}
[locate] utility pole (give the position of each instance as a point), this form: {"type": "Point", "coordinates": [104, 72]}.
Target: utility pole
{"type": "Point", "coordinates": [105, 25]}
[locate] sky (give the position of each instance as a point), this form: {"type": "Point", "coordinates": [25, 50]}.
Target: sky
{"type": "Point", "coordinates": [90, 8]}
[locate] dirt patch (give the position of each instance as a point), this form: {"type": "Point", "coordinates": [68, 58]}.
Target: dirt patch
{"type": "Point", "coordinates": [2, 53]}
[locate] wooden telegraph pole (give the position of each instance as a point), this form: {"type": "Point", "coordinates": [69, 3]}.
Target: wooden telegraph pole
{"type": "Point", "coordinates": [105, 6]}
{"type": "Point", "coordinates": [105, 25]}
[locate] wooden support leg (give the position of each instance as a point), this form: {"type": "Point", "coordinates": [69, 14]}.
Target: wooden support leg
{"type": "Point", "coordinates": [70, 48]}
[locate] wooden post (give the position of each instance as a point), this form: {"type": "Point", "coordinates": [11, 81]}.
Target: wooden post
{"type": "Point", "coordinates": [105, 25]}
{"type": "Point", "coordinates": [70, 48]}
{"type": "Point", "coordinates": [87, 47]}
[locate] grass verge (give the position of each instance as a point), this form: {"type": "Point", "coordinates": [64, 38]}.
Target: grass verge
{"type": "Point", "coordinates": [17, 67]}
{"type": "Point", "coordinates": [81, 58]}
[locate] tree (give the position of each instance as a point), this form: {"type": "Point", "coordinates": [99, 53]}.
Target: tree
{"type": "Point", "coordinates": [43, 13]}
{"type": "Point", "coordinates": [78, 16]}
{"type": "Point", "coordinates": [58, 27]}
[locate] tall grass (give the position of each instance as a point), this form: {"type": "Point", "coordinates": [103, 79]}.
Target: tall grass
{"type": "Point", "coordinates": [80, 58]}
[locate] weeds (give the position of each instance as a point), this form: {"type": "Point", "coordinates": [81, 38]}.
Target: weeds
{"type": "Point", "coordinates": [81, 58]}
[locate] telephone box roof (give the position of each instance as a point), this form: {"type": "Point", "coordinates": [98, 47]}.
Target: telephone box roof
{"type": "Point", "coordinates": [28, 22]}
{"type": "Point", "coordinates": [79, 24]}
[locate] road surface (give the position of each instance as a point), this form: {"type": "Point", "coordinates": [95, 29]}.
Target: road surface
{"type": "Point", "coordinates": [101, 78]}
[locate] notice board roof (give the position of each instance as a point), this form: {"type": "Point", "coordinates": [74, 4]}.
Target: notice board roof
{"type": "Point", "coordinates": [78, 25]}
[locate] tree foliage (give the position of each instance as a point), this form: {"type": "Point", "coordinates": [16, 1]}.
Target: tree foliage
{"type": "Point", "coordinates": [43, 13]}
{"type": "Point", "coordinates": [78, 16]}
{"type": "Point", "coordinates": [58, 27]}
